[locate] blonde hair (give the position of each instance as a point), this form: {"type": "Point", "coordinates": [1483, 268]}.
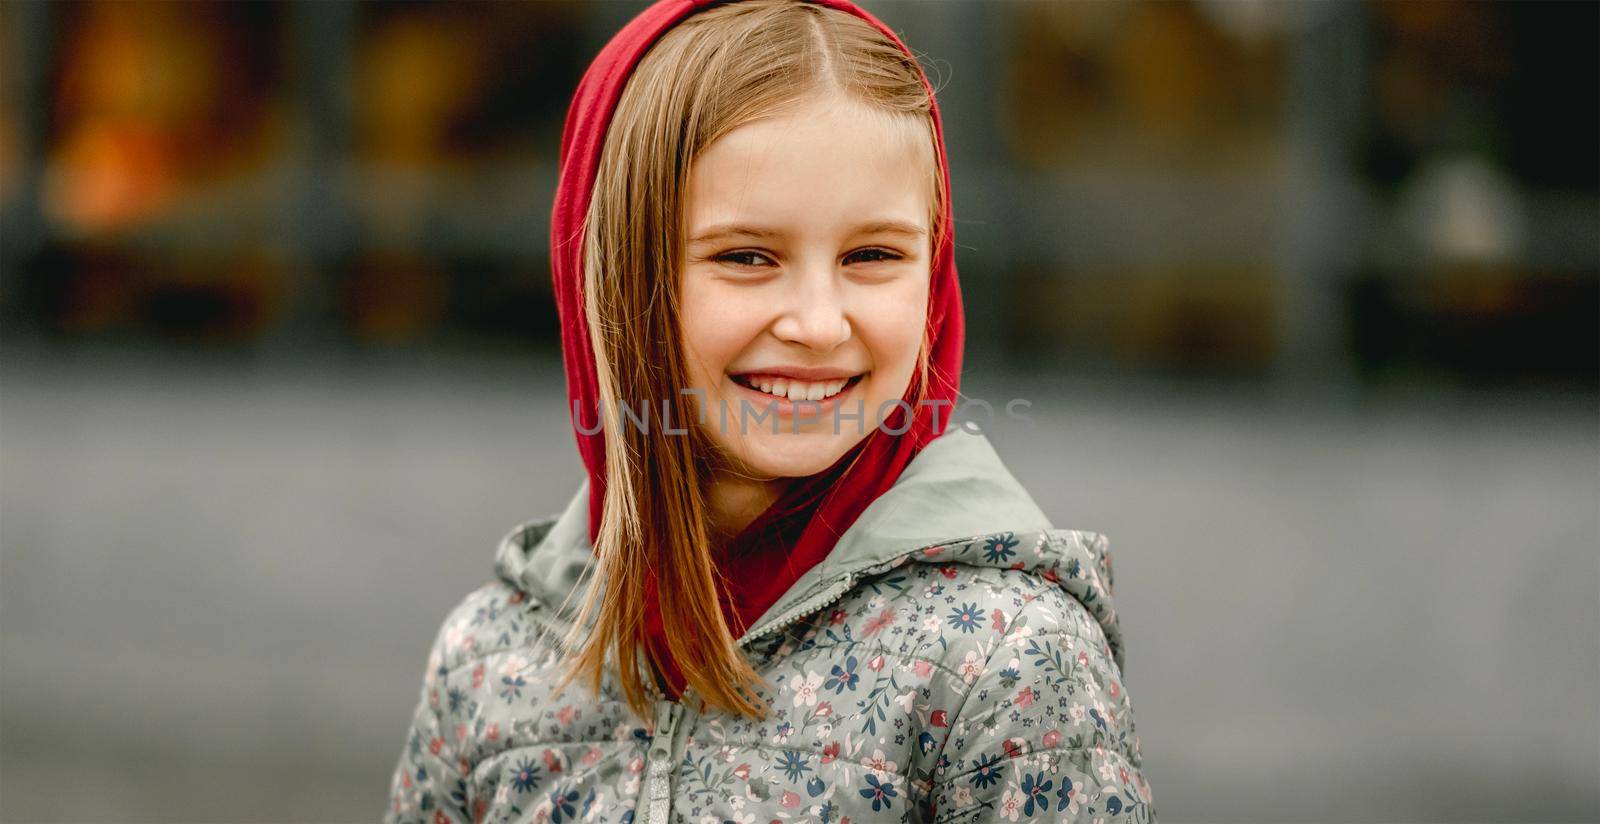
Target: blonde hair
{"type": "Point", "coordinates": [709, 74]}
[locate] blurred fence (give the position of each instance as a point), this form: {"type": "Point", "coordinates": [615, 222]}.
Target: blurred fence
{"type": "Point", "coordinates": [1342, 190]}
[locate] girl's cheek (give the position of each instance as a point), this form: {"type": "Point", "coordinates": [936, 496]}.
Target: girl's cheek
{"type": "Point", "coordinates": [732, 318]}
{"type": "Point", "coordinates": [893, 315]}
{"type": "Point", "coordinates": [717, 335]}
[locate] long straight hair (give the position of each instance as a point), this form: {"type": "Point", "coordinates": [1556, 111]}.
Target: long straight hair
{"type": "Point", "coordinates": [708, 75]}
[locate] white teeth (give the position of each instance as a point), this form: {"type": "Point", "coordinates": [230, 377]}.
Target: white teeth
{"type": "Point", "coordinates": [799, 390]}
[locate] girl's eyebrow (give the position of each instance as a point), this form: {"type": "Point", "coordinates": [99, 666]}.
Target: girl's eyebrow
{"type": "Point", "coordinates": [723, 230]}
{"type": "Point", "coordinates": [891, 227]}
{"type": "Point", "coordinates": [876, 227]}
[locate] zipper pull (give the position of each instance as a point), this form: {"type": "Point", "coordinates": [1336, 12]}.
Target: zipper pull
{"type": "Point", "coordinates": [666, 724]}
{"type": "Point", "coordinates": [659, 771]}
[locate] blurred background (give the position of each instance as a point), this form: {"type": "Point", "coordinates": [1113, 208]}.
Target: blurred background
{"type": "Point", "coordinates": [1304, 295]}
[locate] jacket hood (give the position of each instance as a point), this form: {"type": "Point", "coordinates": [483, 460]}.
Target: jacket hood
{"type": "Point", "coordinates": [955, 503]}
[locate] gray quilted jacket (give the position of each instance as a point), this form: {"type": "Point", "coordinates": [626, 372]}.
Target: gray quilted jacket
{"type": "Point", "coordinates": [955, 658]}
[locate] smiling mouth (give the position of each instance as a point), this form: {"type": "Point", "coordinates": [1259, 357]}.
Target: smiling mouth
{"type": "Point", "coordinates": [796, 390]}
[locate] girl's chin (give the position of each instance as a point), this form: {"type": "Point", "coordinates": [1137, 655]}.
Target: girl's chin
{"type": "Point", "coordinates": [791, 455]}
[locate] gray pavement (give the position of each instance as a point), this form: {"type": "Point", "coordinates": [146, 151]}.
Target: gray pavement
{"type": "Point", "coordinates": [219, 578]}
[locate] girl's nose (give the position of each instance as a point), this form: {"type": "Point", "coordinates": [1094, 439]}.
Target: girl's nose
{"type": "Point", "coordinates": [815, 316]}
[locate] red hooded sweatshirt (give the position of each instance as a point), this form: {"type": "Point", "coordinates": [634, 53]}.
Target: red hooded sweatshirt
{"type": "Point", "coordinates": [801, 527]}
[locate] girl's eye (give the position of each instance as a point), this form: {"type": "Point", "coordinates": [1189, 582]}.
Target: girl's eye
{"type": "Point", "coordinates": [741, 258]}
{"type": "Point", "coordinates": [872, 255]}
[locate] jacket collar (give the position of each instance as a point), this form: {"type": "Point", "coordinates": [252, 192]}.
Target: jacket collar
{"type": "Point", "coordinates": [951, 504]}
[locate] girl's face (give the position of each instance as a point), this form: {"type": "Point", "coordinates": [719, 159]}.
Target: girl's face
{"type": "Point", "coordinates": [805, 278]}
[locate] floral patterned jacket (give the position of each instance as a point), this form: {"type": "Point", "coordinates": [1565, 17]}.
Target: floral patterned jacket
{"type": "Point", "coordinates": [955, 658]}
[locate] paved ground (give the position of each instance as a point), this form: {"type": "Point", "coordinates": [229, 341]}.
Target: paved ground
{"type": "Point", "coordinates": [219, 580]}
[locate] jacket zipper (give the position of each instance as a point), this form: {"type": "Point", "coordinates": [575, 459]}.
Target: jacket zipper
{"type": "Point", "coordinates": [656, 801]}
{"type": "Point", "coordinates": [558, 628]}
{"type": "Point", "coordinates": [660, 758]}
{"type": "Point", "coordinates": [659, 763]}
{"type": "Point", "coordinates": [820, 600]}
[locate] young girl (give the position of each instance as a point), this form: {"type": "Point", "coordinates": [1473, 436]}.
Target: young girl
{"type": "Point", "coordinates": [789, 589]}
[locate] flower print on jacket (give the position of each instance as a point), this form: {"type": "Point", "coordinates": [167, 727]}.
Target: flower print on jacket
{"type": "Point", "coordinates": [804, 688]}
{"type": "Point", "coordinates": [881, 793]}
{"type": "Point", "coordinates": [1000, 548]}
{"type": "Point", "coordinates": [794, 765]}
{"type": "Point", "coordinates": [999, 698]}
{"type": "Point", "coordinates": [843, 677]}
{"type": "Point", "coordinates": [965, 618]}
